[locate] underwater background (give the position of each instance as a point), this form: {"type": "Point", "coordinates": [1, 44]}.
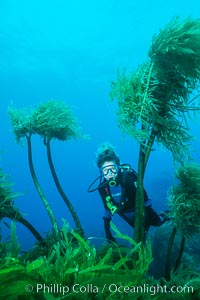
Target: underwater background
{"type": "Point", "coordinates": [71, 51]}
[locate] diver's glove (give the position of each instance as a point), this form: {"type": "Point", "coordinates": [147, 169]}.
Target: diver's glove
{"type": "Point", "coordinates": [108, 233]}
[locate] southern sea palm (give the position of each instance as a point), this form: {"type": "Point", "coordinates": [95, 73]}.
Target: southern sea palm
{"type": "Point", "coordinates": [8, 209]}
{"type": "Point", "coordinates": [22, 126]}
{"type": "Point", "coordinates": [184, 204]}
{"type": "Point", "coordinates": [154, 100]}
{"type": "Point", "coordinates": [54, 120]}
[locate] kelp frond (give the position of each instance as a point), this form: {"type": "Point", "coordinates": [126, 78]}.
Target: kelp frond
{"type": "Point", "coordinates": [79, 263]}
{"type": "Point", "coordinates": [145, 258]}
{"type": "Point", "coordinates": [155, 99]}
{"type": "Point", "coordinates": [8, 210]}
{"type": "Point", "coordinates": [54, 119]}
{"type": "Point", "coordinates": [177, 47]}
{"type": "Point", "coordinates": [184, 199]}
{"type": "Point", "coordinates": [21, 120]}
{"type": "Point", "coordinates": [74, 263]}
{"type": "Point", "coordinates": [13, 246]}
{"type": "Point", "coordinates": [136, 103]}
{"type": "Point", "coordinates": [7, 207]}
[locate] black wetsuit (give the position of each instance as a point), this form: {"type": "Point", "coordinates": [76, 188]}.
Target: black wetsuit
{"type": "Point", "coordinates": [123, 196]}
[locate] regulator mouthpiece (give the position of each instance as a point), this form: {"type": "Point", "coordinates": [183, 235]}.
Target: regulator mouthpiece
{"type": "Point", "coordinates": [112, 182]}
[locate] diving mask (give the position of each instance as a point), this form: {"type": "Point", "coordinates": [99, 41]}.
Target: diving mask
{"type": "Point", "coordinates": [110, 170]}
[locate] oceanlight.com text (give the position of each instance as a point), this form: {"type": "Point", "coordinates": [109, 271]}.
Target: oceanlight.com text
{"type": "Point", "coordinates": [149, 289]}
{"type": "Point", "coordinates": [107, 289]}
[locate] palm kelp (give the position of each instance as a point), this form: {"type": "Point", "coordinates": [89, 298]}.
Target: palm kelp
{"type": "Point", "coordinates": [54, 120]}
{"type": "Point", "coordinates": [22, 127]}
{"type": "Point", "coordinates": [50, 120]}
{"type": "Point", "coordinates": [154, 101]}
{"type": "Point", "coordinates": [184, 204]}
{"type": "Point", "coordinates": [8, 209]}
{"type": "Point", "coordinates": [184, 199]}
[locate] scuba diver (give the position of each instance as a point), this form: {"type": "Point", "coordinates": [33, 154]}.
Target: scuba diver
{"type": "Point", "coordinates": [117, 188]}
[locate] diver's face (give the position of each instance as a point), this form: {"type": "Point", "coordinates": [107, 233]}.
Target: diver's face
{"type": "Point", "coordinates": [110, 170]}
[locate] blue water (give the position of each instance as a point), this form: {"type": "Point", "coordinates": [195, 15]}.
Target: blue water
{"type": "Point", "coordinates": [70, 51]}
